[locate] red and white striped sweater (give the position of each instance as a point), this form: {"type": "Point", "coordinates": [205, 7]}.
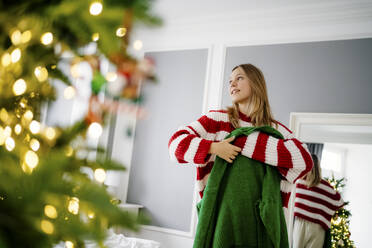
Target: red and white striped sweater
{"type": "Point", "coordinates": [317, 204]}
{"type": "Point", "coordinates": [191, 143]}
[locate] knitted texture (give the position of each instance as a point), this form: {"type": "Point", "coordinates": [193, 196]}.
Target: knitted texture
{"type": "Point", "coordinates": [317, 204]}
{"type": "Point", "coordinates": [242, 205]}
{"type": "Point", "coordinates": [191, 144]}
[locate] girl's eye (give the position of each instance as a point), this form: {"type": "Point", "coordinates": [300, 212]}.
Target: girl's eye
{"type": "Point", "coordinates": [240, 77]}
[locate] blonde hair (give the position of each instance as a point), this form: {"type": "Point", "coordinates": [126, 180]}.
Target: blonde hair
{"type": "Point", "coordinates": [261, 114]}
{"type": "Point", "coordinates": [314, 177]}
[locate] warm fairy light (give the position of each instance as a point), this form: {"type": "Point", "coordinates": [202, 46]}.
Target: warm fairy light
{"type": "Point", "coordinates": [26, 36]}
{"type": "Point", "coordinates": [69, 92]}
{"type": "Point", "coordinates": [91, 215]}
{"type": "Point", "coordinates": [94, 130]}
{"type": "Point", "coordinates": [17, 129]}
{"type": "Point", "coordinates": [28, 115]}
{"type": "Point", "coordinates": [50, 211]}
{"type": "Point", "coordinates": [41, 73]}
{"type": "Point", "coordinates": [69, 151]}
{"type": "Point", "coordinates": [34, 144]}
{"type": "Point", "coordinates": [69, 244]}
{"type": "Point", "coordinates": [2, 136]}
{"type": "Point", "coordinates": [100, 175]}
{"type": "Point", "coordinates": [19, 87]}
{"type": "Point", "coordinates": [16, 37]}
{"type": "Point", "coordinates": [111, 76]}
{"type": "Point", "coordinates": [4, 115]}
{"type": "Point", "coordinates": [120, 32]}
{"type": "Point", "coordinates": [137, 45]}
{"type": "Point", "coordinates": [50, 133]}
{"type": "Point", "coordinates": [95, 8]}
{"type": "Point", "coordinates": [9, 143]}
{"type": "Point", "coordinates": [7, 131]}
{"type": "Point", "coordinates": [31, 159]}
{"type": "Point", "coordinates": [6, 59]}
{"type": "Point", "coordinates": [16, 55]}
{"type": "Point", "coordinates": [73, 205]}
{"type": "Point", "coordinates": [47, 38]}
{"type": "Point", "coordinates": [47, 226]}
{"type": "Point", "coordinates": [35, 127]}
{"type": "Point", "coordinates": [95, 36]}
{"type": "Point", "coordinates": [75, 70]}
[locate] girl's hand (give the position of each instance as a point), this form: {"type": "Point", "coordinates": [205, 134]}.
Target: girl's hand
{"type": "Point", "coordinates": [225, 150]}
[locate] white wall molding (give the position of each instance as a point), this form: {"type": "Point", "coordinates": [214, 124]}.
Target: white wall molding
{"type": "Point", "coordinates": [318, 20]}
{"type": "Point", "coordinates": [298, 119]}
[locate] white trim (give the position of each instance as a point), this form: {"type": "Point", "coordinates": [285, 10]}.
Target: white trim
{"type": "Point", "coordinates": [297, 119]}
{"type": "Point", "coordinates": [168, 231]}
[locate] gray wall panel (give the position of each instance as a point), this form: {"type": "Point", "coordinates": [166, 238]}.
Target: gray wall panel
{"type": "Point", "coordinates": [326, 76]}
{"type": "Point", "coordinates": [164, 187]}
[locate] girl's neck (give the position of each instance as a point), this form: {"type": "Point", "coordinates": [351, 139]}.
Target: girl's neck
{"type": "Point", "coordinates": [245, 109]}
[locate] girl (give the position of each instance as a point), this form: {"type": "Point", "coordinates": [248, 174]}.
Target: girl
{"type": "Point", "coordinates": [202, 140]}
{"type": "Point", "coordinates": [315, 203]}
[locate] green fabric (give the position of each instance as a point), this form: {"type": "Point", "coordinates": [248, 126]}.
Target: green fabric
{"type": "Point", "coordinates": [242, 205]}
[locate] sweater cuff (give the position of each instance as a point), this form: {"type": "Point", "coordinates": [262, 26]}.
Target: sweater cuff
{"type": "Point", "coordinates": [202, 156]}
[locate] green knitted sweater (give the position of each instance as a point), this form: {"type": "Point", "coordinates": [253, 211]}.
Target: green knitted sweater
{"type": "Point", "coordinates": [242, 205]}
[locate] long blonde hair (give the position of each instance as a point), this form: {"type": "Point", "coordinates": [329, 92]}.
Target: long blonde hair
{"type": "Point", "coordinates": [260, 108]}
{"type": "Point", "coordinates": [314, 177]}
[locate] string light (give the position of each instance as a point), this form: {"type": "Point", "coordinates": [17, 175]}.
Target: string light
{"type": "Point", "coordinates": [50, 211]}
{"type": "Point", "coordinates": [69, 151]}
{"type": "Point", "coordinates": [111, 76]}
{"type": "Point", "coordinates": [95, 8]}
{"type": "Point", "coordinates": [100, 175]}
{"type": "Point", "coordinates": [73, 205]}
{"type": "Point", "coordinates": [94, 130]}
{"type": "Point", "coordinates": [34, 144]}
{"type": "Point", "coordinates": [28, 115]}
{"type": "Point", "coordinates": [69, 244]}
{"type": "Point", "coordinates": [16, 55]}
{"type": "Point", "coordinates": [75, 70]}
{"type": "Point", "coordinates": [95, 36]}
{"type": "Point", "coordinates": [91, 215]}
{"type": "Point", "coordinates": [19, 87]}
{"type": "Point", "coordinates": [17, 129]}
{"type": "Point", "coordinates": [6, 59]}
{"type": "Point", "coordinates": [120, 32]}
{"type": "Point", "coordinates": [69, 92]}
{"type": "Point", "coordinates": [50, 133]}
{"type": "Point", "coordinates": [137, 45]}
{"type": "Point", "coordinates": [35, 127]}
{"type": "Point", "coordinates": [16, 37]}
{"type": "Point", "coordinates": [2, 136]}
{"type": "Point", "coordinates": [47, 226]}
{"type": "Point", "coordinates": [26, 36]}
{"type": "Point", "coordinates": [7, 131]}
{"type": "Point", "coordinates": [41, 73]}
{"type": "Point", "coordinates": [9, 143]}
{"type": "Point", "coordinates": [4, 115]}
{"type": "Point", "coordinates": [47, 38]}
{"type": "Point", "coordinates": [31, 159]}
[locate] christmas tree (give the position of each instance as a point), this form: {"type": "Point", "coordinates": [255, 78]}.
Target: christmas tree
{"type": "Point", "coordinates": [340, 234]}
{"type": "Point", "coordinates": [46, 194]}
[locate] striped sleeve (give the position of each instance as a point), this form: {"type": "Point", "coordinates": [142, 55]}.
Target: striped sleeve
{"type": "Point", "coordinates": [289, 155]}
{"type": "Point", "coordinates": [191, 143]}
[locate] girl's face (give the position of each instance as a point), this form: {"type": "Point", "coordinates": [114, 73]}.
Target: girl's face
{"type": "Point", "coordinates": [239, 87]}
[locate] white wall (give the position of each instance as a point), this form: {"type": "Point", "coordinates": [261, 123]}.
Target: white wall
{"type": "Point", "coordinates": [358, 191]}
